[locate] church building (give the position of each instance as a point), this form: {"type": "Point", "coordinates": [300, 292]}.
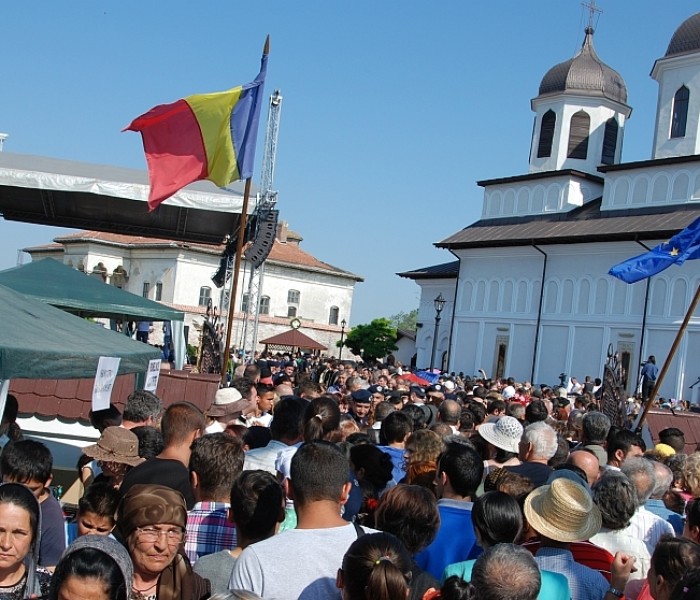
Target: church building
{"type": "Point", "coordinates": [529, 294]}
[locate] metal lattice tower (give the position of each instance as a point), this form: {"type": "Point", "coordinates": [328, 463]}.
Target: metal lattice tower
{"type": "Point", "coordinates": [265, 213]}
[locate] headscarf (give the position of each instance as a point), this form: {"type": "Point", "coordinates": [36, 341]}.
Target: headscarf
{"type": "Point", "coordinates": [150, 505]}
{"type": "Point", "coordinates": [26, 499]}
{"type": "Point", "coordinates": [109, 546]}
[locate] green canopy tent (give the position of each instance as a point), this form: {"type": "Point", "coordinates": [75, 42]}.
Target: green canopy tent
{"type": "Point", "coordinates": [54, 283]}
{"type": "Point", "coordinates": [38, 341]}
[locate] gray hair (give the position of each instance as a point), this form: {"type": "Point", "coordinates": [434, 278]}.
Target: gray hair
{"type": "Point", "coordinates": [616, 497]}
{"type": "Point", "coordinates": [142, 405]}
{"type": "Point", "coordinates": [596, 427]}
{"type": "Point", "coordinates": [664, 479]}
{"type": "Point", "coordinates": [236, 595]}
{"type": "Point", "coordinates": [641, 474]}
{"type": "Point", "coordinates": [506, 572]}
{"type": "Point", "coordinates": [543, 439]}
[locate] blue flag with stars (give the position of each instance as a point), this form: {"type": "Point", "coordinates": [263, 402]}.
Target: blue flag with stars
{"type": "Point", "coordinates": [685, 245]}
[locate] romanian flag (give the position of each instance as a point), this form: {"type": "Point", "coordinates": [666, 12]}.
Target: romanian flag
{"type": "Point", "coordinates": [205, 136]}
{"type": "Point", "coordinates": [685, 245]}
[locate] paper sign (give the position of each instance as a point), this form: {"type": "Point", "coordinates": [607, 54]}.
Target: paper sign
{"type": "Point", "coordinates": [152, 375]}
{"type": "Point", "coordinates": [107, 368]}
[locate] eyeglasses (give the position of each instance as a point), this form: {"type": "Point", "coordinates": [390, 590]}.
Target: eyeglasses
{"type": "Point", "coordinates": [151, 535]}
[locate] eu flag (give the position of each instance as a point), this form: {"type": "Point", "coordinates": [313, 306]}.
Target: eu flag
{"type": "Point", "coordinates": [685, 245]}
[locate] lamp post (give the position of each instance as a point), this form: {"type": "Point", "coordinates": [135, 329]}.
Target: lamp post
{"type": "Point", "coordinates": [439, 304]}
{"type": "Point", "coordinates": [343, 323]}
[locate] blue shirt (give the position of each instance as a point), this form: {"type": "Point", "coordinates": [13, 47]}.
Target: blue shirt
{"type": "Point", "coordinates": [584, 582]}
{"type": "Point", "coordinates": [659, 509]}
{"type": "Point", "coordinates": [455, 540]}
{"type": "Point", "coordinates": [398, 459]}
{"type": "Point", "coordinates": [650, 371]}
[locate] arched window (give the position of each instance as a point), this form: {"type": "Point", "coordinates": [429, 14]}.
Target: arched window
{"type": "Point", "coordinates": [204, 295]}
{"type": "Point", "coordinates": [680, 112]}
{"type": "Point", "coordinates": [159, 291]}
{"type": "Point", "coordinates": [609, 142]}
{"type": "Point", "coordinates": [291, 311]}
{"type": "Point", "coordinates": [544, 148]}
{"type": "Point", "coordinates": [146, 289]}
{"type": "Point", "coordinates": [578, 135]}
{"type": "Point", "coordinates": [333, 315]}
{"type": "Point", "coordinates": [264, 305]}
{"type": "Point", "coordinates": [293, 296]}
{"type": "Point", "coordinates": [244, 303]}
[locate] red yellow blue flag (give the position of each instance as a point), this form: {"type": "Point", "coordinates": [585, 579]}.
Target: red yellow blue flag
{"type": "Point", "coordinates": [204, 136]}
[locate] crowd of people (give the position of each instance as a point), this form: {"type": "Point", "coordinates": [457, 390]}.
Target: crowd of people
{"type": "Point", "coordinates": [357, 483]}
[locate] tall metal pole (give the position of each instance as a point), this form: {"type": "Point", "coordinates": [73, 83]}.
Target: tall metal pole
{"type": "Point", "coordinates": [439, 304]}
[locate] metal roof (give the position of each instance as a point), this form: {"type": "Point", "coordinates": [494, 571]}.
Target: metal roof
{"type": "Point", "coordinates": [448, 270]}
{"type": "Point", "coordinates": [585, 224]}
{"type": "Point", "coordinates": [686, 38]}
{"type": "Point", "coordinates": [585, 74]}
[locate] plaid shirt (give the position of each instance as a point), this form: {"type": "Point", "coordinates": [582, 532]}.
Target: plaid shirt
{"type": "Point", "coordinates": [209, 530]}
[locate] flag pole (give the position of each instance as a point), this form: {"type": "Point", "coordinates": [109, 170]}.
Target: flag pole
{"type": "Point", "coordinates": [669, 358]}
{"type": "Point", "coordinates": [234, 285]}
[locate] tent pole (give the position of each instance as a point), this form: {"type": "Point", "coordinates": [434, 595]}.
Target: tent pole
{"type": "Point", "coordinates": [669, 358]}
{"type": "Point", "coordinates": [234, 285]}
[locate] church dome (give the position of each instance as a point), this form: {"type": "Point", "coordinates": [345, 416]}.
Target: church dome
{"type": "Point", "coordinates": [686, 38]}
{"type": "Point", "coordinates": [585, 73]}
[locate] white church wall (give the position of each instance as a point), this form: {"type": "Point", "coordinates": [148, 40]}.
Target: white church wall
{"type": "Point", "coordinates": [655, 185]}
{"type": "Point", "coordinates": [431, 289]}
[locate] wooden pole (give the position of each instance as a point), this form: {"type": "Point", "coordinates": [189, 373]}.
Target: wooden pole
{"type": "Point", "coordinates": [669, 358]}
{"type": "Point", "coordinates": [234, 285]}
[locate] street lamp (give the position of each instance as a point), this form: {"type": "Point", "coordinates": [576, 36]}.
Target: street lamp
{"type": "Point", "coordinates": [439, 304]}
{"type": "Point", "coordinates": [343, 323]}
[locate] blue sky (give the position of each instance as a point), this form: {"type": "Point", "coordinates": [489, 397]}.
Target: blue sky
{"type": "Point", "coordinates": [392, 110]}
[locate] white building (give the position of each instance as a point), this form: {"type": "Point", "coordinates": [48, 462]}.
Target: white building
{"type": "Point", "coordinates": [295, 283]}
{"type": "Point", "coordinates": [529, 295]}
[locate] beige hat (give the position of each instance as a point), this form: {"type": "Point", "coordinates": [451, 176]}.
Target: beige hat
{"type": "Point", "coordinates": [562, 393]}
{"type": "Point", "coordinates": [116, 444]}
{"type": "Point", "coordinates": [563, 511]}
{"type": "Point", "coordinates": [227, 401]}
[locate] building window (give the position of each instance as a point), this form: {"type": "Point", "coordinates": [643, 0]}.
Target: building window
{"type": "Point", "coordinates": [291, 311]}
{"type": "Point", "coordinates": [146, 289]}
{"type": "Point", "coordinates": [293, 296]}
{"type": "Point", "coordinates": [244, 303]}
{"type": "Point", "coordinates": [609, 142]}
{"type": "Point", "coordinates": [680, 112]}
{"type": "Point", "coordinates": [578, 135]}
{"type": "Point", "coordinates": [544, 148]}
{"type": "Point", "coordinates": [333, 316]}
{"type": "Point", "coordinates": [264, 305]}
{"type": "Point", "coordinates": [159, 291]}
{"type": "Point", "coordinates": [204, 295]}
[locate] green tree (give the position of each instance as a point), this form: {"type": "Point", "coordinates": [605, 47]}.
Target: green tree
{"type": "Point", "coordinates": [406, 321]}
{"type": "Point", "coordinates": [372, 341]}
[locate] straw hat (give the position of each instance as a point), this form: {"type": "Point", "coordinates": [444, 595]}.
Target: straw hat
{"type": "Point", "coordinates": [227, 401]}
{"type": "Point", "coordinates": [563, 511]}
{"type": "Point", "coordinates": [504, 433]}
{"type": "Point", "coordinates": [117, 445]}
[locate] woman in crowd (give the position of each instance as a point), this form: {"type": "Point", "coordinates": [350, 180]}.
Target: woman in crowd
{"type": "Point", "coordinates": [422, 450]}
{"type": "Point", "coordinates": [376, 566]}
{"type": "Point", "coordinates": [151, 519]}
{"type": "Point", "coordinates": [95, 567]}
{"type": "Point", "coordinates": [372, 466]}
{"type": "Point", "coordinates": [116, 451]}
{"type": "Point", "coordinates": [672, 558]}
{"type": "Point", "coordinates": [498, 519]}
{"type": "Point", "coordinates": [19, 544]}
{"type": "Point", "coordinates": [502, 437]}
{"type": "Point", "coordinates": [410, 513]}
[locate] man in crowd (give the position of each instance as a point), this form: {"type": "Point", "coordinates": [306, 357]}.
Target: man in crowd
{"type": "Point", "coordinates": [215, 462]}
{"type": "Point", "coordinates": [537, 445]}
{"type": "Point", "coordinates": [303, 562]}
{"type": "Point", "coordinates": [141, 408]}
{"type": "Point", "coordinates": [182, 424]}
{"type": "Point", "coordinates": [459, 473]}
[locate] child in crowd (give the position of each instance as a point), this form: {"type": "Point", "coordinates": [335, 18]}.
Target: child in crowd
{"type": "Point", "coordinates": [96, 511]}
{"type": "Point", "coordinates": [30, 462]}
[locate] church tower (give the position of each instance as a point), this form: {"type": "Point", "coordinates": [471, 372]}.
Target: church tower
{"type": "Point", "coordinates": [677, 131]}
{"type": "Point", "coordinates": [580, 111]}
